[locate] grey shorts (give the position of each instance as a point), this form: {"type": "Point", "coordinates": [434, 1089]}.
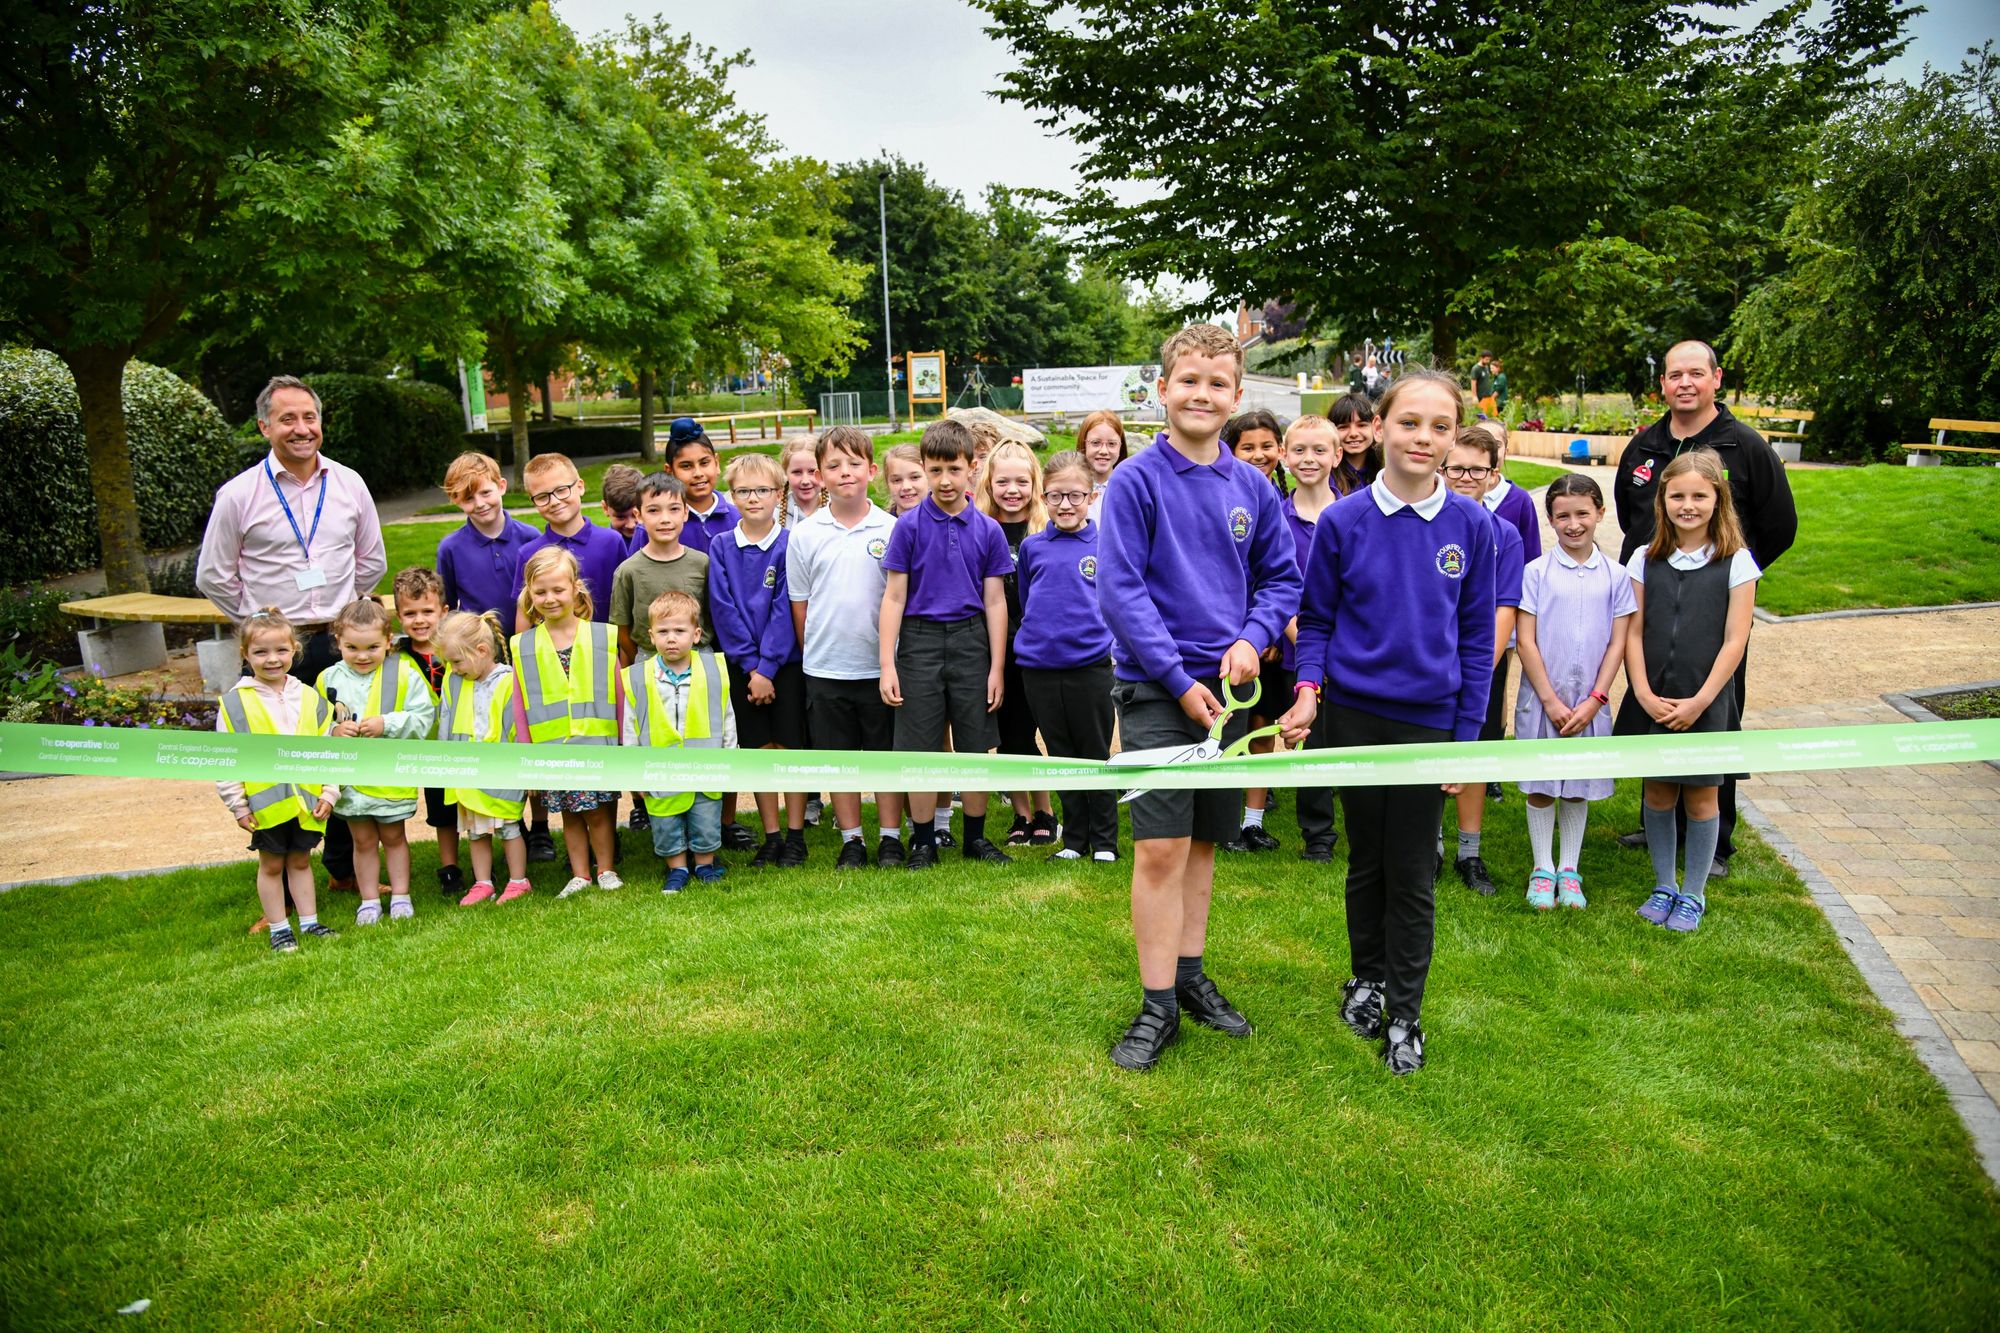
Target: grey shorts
{"type": "Point", "coordinates": [942, 667]}
{"type": "Point", "coordinates": [1147, 717]}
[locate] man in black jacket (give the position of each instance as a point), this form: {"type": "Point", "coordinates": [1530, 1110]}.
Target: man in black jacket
{"type": "Point", "coordinates": [1757, 486]}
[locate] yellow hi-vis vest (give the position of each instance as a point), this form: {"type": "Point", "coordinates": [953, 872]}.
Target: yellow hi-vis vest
{"type": "Point", "coordinates": [272, 803]}
{"type": "Point", "coordinates": [707, 700]}
{"type": "Point", "coordinates": [394, 684]}
{"type": "Point", "coordinates": [455, 723]}
{"type": "Point", "coordinates": [579, 708]}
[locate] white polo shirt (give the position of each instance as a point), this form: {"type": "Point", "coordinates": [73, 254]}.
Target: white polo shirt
{"type": "Point", "coordinates": [838, 571]}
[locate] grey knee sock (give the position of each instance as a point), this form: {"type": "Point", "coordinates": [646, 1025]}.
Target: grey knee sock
{"type": "Point", "coordinates": [1659, 826]}
{"type": "Point", "coordinates": [1468, 845]}
{"type": "Point", "coordinates": [1700, 858]}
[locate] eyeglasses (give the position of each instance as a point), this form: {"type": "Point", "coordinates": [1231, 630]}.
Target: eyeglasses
{"type": "Point", "coordinates": [755, 492]}
{"type": "Point", "coordinates": [555, 493]}
{"type": "Point", "coordinates": [1061, 498]}
{"type": "Point", "coordinates": [1459, 473]}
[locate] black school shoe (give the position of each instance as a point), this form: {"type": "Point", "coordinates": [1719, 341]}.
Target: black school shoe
{"type": "Point", "coordinates": [1361, 1007]}
{"type": "Point", "coordinates": [1202, 1002]}
{"type": "Point", "coordinates": [768, 854]}
{"type": "Point", "coordinates": [1152, 1031]}
{"type": "Point", "coordinates": [792, 853]}
{"type": "Point", "coordinates": [1495, 792]}
{"type": "Point", "coordinates": [1403, 1046]}
{"type": "Point", "coordinates": [1235, 844]}
{"type": "Point", "coordinates": [1473, 874]}
{"type": "Point", "coordinates": [853, 855]}
{"type": "Point", "coordinates": [736, 838]}
{"type": "Point", "coordinates": [923, 856]}
{"type": "Point", "coordinates": [541, 844]}
{"type": "Point", "coordinates": [1319, 849]}
{"type": "Point", "coordinates": [1043, 829]}
{"type": "Point", "coordinates": [451, 882]}
{"type": "Point", "coordinates": [981, 848]}
{"type": "Point", "coordinates": [638, 819]}
{"type": "Point", "coordinates": [890, 853]}
{"type": "Point", "coordinates": [1257, 840]}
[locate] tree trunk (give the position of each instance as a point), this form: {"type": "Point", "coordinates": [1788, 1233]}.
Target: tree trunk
{"type": "Point", "coordinates": [517, 413]}
{"type": "Point", "coordinates": [649, 448]}
{"type": "Point", "coordinates": [548, 401]}
{"type": "Point", "coordinates": [1444, 343]}
{"type": "Point", "coordinates": [100, 387]}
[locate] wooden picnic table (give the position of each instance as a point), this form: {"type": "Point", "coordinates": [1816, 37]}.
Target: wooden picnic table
{"type": "Point", "coordinates": [149, 608]}
{"type": "Point", "coordinates": [127, 634]}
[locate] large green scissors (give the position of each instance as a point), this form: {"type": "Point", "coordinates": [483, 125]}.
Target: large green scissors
{"type": "Point", "coordinates": [1209, 747]}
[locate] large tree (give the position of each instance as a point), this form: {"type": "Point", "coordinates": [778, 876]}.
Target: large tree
{"type": "Point", "coordinates": [1889, 312]}
{"type": "Point", "coordinates": [1384, 159]}
{"type": "Point", "coordinates": [159, 152]}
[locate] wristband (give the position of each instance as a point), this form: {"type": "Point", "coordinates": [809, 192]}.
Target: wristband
{"type": "Point", "coordinates": [1601, 697]}
{"type": "Point", "coordinates": [1305, 685]}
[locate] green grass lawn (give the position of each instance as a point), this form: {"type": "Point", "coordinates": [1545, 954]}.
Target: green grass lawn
{"type": "Point", "coordinates": [883, 1101]}
{"type": "Point", "coordinates": [1889, 536]}
{"type": "Point", "coordinates": [1531, 476]}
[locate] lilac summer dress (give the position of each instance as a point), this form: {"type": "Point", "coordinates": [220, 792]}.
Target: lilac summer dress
{"type": "Point", "coordinates": [1574, 607]}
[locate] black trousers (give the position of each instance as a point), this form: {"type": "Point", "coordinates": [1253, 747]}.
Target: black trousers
{"type": "Point", "coordinates": [1391, 851]}
{"type": "Point", "coordinates": [1072, 708]}
{"type": "Point", "coordinates": [1496, 701]}
{"type": "Point", "coordinates": [315, 655]}
{"type": "Point", "coordinates": [1315, 804]}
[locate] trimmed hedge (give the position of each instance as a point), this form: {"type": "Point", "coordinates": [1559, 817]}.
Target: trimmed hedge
{"type": "Point", "coordinates": [181, 451]}
{"type": "Point", "coordinates": [398, 434]}
{"type": "Point", "coordinates": [575, 441]}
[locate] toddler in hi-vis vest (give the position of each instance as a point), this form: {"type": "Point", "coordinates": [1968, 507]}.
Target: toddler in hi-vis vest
{"type": "Point", "coordinates": [285, 821]}
{"type": "Point", "coordinates": [680, 697]}
{"type": "Point", "coordinates": [478, 705]}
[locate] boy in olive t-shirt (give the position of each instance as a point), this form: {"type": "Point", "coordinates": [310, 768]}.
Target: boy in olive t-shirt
{"type": "Point", "coordinates": [661, 565]}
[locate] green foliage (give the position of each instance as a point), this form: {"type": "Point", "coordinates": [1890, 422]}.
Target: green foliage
{"type": "Point", "coordinates": [576, 441]}
{"type": "Point", "coordinates": [32, 621]}
{"type": "Point", "coordinates": [1889, 313]}
{"type": "Point", "coordinates": [181, 451]}
{"type": "Point", "coordinates": [1888, 536]}
{"type": "Point", "coordinates": [1439, 162]}
{"type": "Point", "coordinates": [398, 434]}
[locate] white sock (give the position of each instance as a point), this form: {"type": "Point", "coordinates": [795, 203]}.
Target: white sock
{"type": "Point", "coordinates": [1575, 814]}
{"type": "Point", "coordinates": [305, 921]}
{"type": "Point", "coordinates": [399, 897]}
{"type": "Point", "coordinates": [1252, 818]}
{"type": "Point", "coordinates": [1541, 836]}
{"type": "Point", "coordinates": [282, 923]}
{"type": "Point", "coordinates": [851, 834]}
{"type": "Point", "coordinates": [893, 831]}
{"type": "Point", "coordinates": [941, 821]}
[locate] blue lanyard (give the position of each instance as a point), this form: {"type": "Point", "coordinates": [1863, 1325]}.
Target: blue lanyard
{"type": "Point", "coordinates": [305, 539]}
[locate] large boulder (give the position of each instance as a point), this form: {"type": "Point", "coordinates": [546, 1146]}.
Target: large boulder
{"type": "Point", "coordinates": [1008, 428]}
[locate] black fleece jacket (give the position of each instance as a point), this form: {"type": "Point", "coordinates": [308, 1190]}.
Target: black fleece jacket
{"type": "Point", "coordinates": [1757, 484]}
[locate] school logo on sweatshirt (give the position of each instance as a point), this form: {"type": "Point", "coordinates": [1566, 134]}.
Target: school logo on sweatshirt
{"type": "Point", "coordinates": [1451, 561]}
{"type": "Point", "coordinates": [1088, 568]}
{"type": "Point", "coordinates": [876, 547]}
{"type": "Point", "coordinates": [770, 576]}
{"type": "Point", "coordinates": [1239, 523]}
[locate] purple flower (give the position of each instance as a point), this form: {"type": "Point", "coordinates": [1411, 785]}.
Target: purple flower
{"type": "Point", "coordinates": [145, 726]}
{"type": "Point", "coordinates": [90, 722]}
{"type": "Point", "coordinates": [69, 689]}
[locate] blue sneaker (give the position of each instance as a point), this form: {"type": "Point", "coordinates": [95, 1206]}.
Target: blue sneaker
{"type": "Point", "coordinates": [1659, 906]}
{"type": "Point", "coordinates": [1687, 914]}
{"type": "Point", "coordinates": [710, 874]}
{"type": "Point", "coordinates": [677, 879]}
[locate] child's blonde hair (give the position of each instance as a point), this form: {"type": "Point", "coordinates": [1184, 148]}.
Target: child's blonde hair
{"type": "Point", "coordinates": [1201, 339]}
{"type": "Point", "coordinates": [468, 471]}
{"type": "Point", "coordinates": [361, 613]}
{"type": "Point", "coordinates": [1037, 514]}
{"type": "Point", "coordinates": [459, 631]}
{"type": "Point", "coordinates": [803, 442]}
{"type": "Point", "coordinates": [417, 581]}
{"type": "Point", "coordinates": [542, 463]}
{"type": "Point", "coordinates": [1069, 460]}
{"type": "Point", "coordinates": [1310, 421]}
{"type": "Point", "coordinates": [753, 467]}
{"type": "Point", "coordinates": [542, 562]}
{"type": "Point", "coordinates": [674, 602]}
{"type": "Point", "coordinates": [262, 621]}
{"type": "Point", "coordinates": [850, 440]}
{"type": "Point", "coordinates": [1725, 533]}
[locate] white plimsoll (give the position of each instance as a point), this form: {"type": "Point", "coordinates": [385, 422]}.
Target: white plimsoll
{"type": "Point", "coordinates": [609, 880]}
{"type": "Point", "coordinates": [368, 913]}
{"type": "Point", "coordinates": [1069, 854]}
{"type": "Point", "coordinates": [401, 909]}
{"type": "Point", "coordinates": [577, 885]}
{"type": "Point", "coordinates": [1104, 856]}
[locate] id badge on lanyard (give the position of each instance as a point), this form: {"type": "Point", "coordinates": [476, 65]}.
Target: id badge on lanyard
{"type": "Point", "coordinates": [312, 576]}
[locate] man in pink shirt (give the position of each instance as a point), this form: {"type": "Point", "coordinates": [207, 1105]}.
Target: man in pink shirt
{"type": "Point", "coordinates": [297, 531]}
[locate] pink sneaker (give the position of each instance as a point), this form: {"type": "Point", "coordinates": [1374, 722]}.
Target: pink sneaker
{"type": "Point", "coordinates": [481, 892]}
{"type": "Point", "coordinates": [516, 888]}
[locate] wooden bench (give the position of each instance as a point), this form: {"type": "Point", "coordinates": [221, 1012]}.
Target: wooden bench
{"type": "Point", "coordinates": [776, 417]}
{"type": "Point", "coordinates": [128, 633]}
{"type": "Point", "coordinates": [1786, 442]}
{"type": "Point", "coordinates": [1919, 454]}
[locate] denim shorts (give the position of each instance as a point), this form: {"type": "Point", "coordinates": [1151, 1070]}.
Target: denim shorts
{"type": "Point", "coordinates": [695, 829]}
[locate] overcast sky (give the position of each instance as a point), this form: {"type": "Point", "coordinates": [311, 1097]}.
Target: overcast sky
{"type": "Point", "coordinates": [844, 80]}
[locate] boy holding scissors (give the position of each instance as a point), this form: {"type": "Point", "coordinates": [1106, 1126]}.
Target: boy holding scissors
{"type": "Point", "coordinates": [1197, 578]}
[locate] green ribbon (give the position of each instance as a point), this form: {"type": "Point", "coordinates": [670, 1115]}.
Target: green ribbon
{"type": "Point", "coordinates": [160, 753]}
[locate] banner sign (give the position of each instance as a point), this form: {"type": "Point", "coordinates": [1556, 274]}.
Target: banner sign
{"type": "Point", "coordinates": [159, 753]}
{"type": "Point", "coordinates": [1086, 389]}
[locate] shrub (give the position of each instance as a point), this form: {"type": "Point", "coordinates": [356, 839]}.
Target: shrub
{"type": "Point", "coordinates": [32, 622]}
{"type": "Point", "coordinates": [181, 451]}
{"type": "Point", "coordinates": [398, 434]}
{"type": "Point", "coordinates": [576, 441]}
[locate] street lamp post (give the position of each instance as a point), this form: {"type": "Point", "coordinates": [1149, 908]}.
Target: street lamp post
{"type": "Point", "coordinates": [888, 356]}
